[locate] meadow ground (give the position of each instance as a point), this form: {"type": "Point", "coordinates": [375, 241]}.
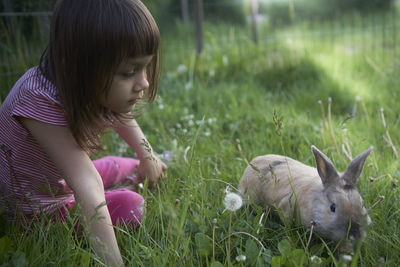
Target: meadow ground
{"type": "Point", "coordinates": [236, 101]}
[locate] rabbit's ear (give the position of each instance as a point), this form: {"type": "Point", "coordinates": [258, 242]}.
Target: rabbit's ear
{"type": "Point", "coordinates": [355, 168]}
{"type": "Point", "coordinates": [325, 168]}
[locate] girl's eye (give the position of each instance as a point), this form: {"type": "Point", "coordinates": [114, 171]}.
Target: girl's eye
{"type": "Point", "coordinates": [333, 207]}
{"type": "Point", "coordinates": [130, 73]}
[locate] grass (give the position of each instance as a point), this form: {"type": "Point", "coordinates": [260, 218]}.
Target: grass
{"type": "Point", "coordinates": [237, 101]}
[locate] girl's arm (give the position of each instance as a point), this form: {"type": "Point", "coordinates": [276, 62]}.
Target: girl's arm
{"type": "Point", "coordinates": [84, 180]}
{"type": "Point", "coordinates": [150, 167]}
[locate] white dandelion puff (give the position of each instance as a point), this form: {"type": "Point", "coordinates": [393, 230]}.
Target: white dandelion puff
{"type": "Point", "coordinates": [211, 73]}
{"type": "Point", "coordinates": [315, 259]}
{"type": "Point", "coordinates": [188, 86]}
{"type": "Point", "coordinates": [181, 69]}
{"type": "Point", "coordinates": [225, 60]}
{"type": "Point", "coordinates": [240, 258]}
{"type": "Point", "coordinates": [211, 120]}
{"type": "Point", "coordinates": [232, 201]}
{"type": "Point", "coordinates": [346, 258]}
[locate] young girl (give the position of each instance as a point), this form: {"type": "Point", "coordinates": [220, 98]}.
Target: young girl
{"type": "Point", "coordinates": [102, 59]}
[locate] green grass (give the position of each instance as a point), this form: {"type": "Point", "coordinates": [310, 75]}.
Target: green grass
{"type": "Point", "coordinates": [265, 98]}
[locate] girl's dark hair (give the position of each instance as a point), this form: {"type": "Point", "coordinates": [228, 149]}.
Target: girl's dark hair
{"type": "Point", "coordinates": [88, 41]}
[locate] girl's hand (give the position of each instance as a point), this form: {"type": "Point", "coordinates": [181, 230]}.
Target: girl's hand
{"type": "Point", "coordinates": [151, 168]}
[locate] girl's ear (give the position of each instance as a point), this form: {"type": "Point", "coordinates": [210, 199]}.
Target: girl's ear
{"type": "Point", "coordinates": [355, 168]}
{"type": "Point", "coordinates": [325, 168]}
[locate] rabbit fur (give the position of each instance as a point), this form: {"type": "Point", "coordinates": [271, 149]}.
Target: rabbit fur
{"type": "Point", "coordinates": [326, 199]}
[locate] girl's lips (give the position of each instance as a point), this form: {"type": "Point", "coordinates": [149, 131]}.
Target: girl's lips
{"type": "Point", "coordinates": [134, 101]}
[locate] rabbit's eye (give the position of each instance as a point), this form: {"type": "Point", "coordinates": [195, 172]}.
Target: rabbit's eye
{"type": "Point", "coordinates": [333, 207]}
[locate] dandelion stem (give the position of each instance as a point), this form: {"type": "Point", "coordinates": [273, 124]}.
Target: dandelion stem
{"type": "Point", "coordinates": [229, 239]}
{"type": "Point", "coordinates": [331, 131]}
{"type": "Point", "coordinates": [213, 243]}
{"type": "Point", "coordinates": [387, 138]}
{"type": "Point", "coordinates": [376, 202]}
{"type": "Point", "coordinates": [346, 150]}
{"type": "Point", "coordinates": [245, 233]}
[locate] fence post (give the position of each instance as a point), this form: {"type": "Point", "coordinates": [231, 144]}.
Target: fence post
{"type": "Point", "coordinates": [10, 24]}
{"type": "Point", "coordinates": [198, 11]}
{"type": "Point", "coordinates": [254, 12]}
{"type": "Point", "coordinates": [185, 11]}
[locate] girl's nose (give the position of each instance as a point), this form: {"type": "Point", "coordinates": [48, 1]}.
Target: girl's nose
{"type": "Point", "coordinates": [141, 83]}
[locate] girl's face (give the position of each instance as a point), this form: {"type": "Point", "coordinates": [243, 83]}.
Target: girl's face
{"type": "Point", "coordinates": [128, 84]}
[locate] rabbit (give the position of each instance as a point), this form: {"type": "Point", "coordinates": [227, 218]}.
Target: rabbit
{"type": "Point", "coordinates": [326, 199]}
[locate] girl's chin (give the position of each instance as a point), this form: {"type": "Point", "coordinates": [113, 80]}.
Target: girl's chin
{"type": "Point", "coordinates": [125, 110]}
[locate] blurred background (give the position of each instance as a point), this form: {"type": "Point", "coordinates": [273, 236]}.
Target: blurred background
{"type": "Point", "coordinates": [355, 25]}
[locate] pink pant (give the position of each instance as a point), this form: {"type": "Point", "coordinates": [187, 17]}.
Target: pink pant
{"type": "Point", "coordinates": [123, 204]}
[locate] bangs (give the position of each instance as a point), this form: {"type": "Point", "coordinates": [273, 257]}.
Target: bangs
{"type": "Point", "coordinates": [138, 34]}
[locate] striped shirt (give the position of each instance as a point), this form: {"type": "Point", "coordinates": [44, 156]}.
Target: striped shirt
{"type": "Point", "coordinates": [29, 181]}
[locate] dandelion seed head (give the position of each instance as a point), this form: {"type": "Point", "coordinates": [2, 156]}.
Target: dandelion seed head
{"type": "Point", "coordinates": [315, 259]}
{"type": "Point", "coordinates": [233, 201]}
{"type": "Point", "coordinates": [211, 73]}
{"type": "Point", "coordinates": [346, 258]}
{"type": "Point", "coordinates": [188, 86]}
{"type": "Point", "coordinates": [240, 258]}
{"type": "Point", "coordinates": [225, 60]}
{"type": "Point", "coordinates": [181, 69]}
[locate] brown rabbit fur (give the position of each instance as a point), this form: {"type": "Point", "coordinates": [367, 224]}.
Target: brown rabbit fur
{"type": "Point", "coordinates": [325, 198]}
